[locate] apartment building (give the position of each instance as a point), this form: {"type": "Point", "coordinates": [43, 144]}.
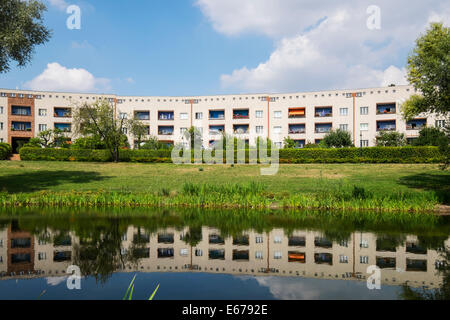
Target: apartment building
{"type": "Point", "coordinates": [305, 117]}
{"type": "Point", "coordinates": [301, 253]}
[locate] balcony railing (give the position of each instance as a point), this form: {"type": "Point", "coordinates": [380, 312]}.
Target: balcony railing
{"type": "Point", "coordinates": [322, 113]}
{"type": "Point", "coordinates": [62, 113]}
{"type": "Point", "coordinates": [166, 116]}
{"type": "Point", "coordinates": [386, 109]}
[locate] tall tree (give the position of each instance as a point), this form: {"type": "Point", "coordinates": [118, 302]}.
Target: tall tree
{"type": "Point", "coordinates": [429, 73]}
{"type": "Point", "coordinates": [139, 131]}
{"type": "Point", "coordinates": [100, 119]}
{"type": "Point", "coordinates": [21, 29]}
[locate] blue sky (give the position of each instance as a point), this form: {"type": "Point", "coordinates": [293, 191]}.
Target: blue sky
{"type": "Point", "coordinates": [187, 47]}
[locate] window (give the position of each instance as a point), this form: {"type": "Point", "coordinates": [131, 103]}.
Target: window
{"type": "Point", "coordinates": [259, 129]}
{"type": "Point", "coordinates": [42, 256]}
{"type": "Point", "coordinates": [184, 252]}
{"type": "Point", "coordinates": [42, 112]}
{"type": "Point", "coordinates": [183, 116]}
{"type": "Point", "coordinates": [259, 114]}
{"type": "Point", "coordinates": [198, 252]}
{"type": "Point", "coordinates": [42, 127]}
{"type": "Point", "coordinates": [123, 115]}
{"type": "Point", "coordinates": [199, 115]}
{"type": "Point", "coordinates": [277, 239]}
{"type": "Point", "coordinates": [259, 239]}
{"type": "Point", "coordinates": [278, 255]}
{"type": "Point", "coordinates": [125, 130]}
{"type": "Point", "coordinates": [20, 111]}
{"type": "Point", "coordinates": [343, 259]}
{"type": "Point", "coordinates": [364, 111]}
{"type": "Point", "coordinates": [1, 125]}
{"type": "Point", "coordinates": [364, 259]}
{"type": "Point", "coordinates": [343, 112]}
{"type": "Point", "coordinates": [259, 255]}
{"type": "Point", "coordinates": [277, 114]}
{"type": "Point", "coordinates": [439, 123]}
{"type": "Point", "coordinates": [364, 143]}
{"type": "Point", "coordinates": [364, 126]}
{"type": "Point", "coordinates": [277, 130]}
{"type": "Point", "coordinates": [364, 244]}
{"type": "Point", "coordinates": [1, 110]}
{"type": "Point", "coordinates": [343, 127]}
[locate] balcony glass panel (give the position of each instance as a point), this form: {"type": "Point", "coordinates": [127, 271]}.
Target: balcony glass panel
{"type": "Point", "coordinates": [241, 255]}
{"type": "Point", "coordinates": [165, 131]}
{"type": "Point", "coordinates": [241, 129]}
{"type": "Point", "coordinates": [297, 128]}
{"type": "Point", "coordinates": [386, 263]}
{"type": "Point", "coordinates": [66, 127]}
{"type": "Point", "coordinates": [323, 127]}
{"type": "Point", "coordinates": [62, 113]}
{"type": "Point", "coordinates": [216, 254]}
{"type": "Point", "coordinates": [416, 265]}
{"type": "Point", "coordinates": [297, 113]}
{"type": "Point", "coordinates": [216, 130]}
{"type": "Point", "coordinates": [21, 111]}
{"type": "Point", "coordinates": [21, 126]}
{"type": "Point", "coordinates": [165, 115]}
{"type": "Point", "coordinates": [165, 253]}
{"type": "Point", "coordinates": [387, 108]}
{"type": "Point", "coordinates": [417, 124]}
{"type": "Point", "coordinates": [241, 114]}
{"type": "Point", "coordinates": [142, 115]}
{"type": "Point", "coordinates": [386, 126]}
{"type": "Point", "coordinates": [324, 112]}
{"type": "Point", "coordinates": [297, 241]}
{"type": "Point", "coordinates": [217, 115]}
{"type": "Point", "coordinates": [323, 258]}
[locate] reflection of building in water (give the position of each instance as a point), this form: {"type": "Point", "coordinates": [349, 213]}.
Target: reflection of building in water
{"type": "Point", "coordinates": [302, 254]}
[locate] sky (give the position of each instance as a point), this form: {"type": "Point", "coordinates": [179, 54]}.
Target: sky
{"type": "Point", "coordinates": [206, 47]}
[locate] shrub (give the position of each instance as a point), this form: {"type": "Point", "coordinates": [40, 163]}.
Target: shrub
{"type": "Point", "coordinates": [338, 139]}
{"type": "Point", "coordinates": [92, 143]}
{"type": "Point", "coordinates": [390, 139]}
{"type": "Point", "coordinates": [5, 151]}
{"type": "Point", "coordinates": [431, 137]}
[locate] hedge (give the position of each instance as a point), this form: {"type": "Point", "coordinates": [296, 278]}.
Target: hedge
{"type": "Point", "coordinates": [5, 151]}
{"type": "Point", "coordinates": [345, 155]}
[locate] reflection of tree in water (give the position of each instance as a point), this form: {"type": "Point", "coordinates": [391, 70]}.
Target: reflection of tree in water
{"type": "Point", "coordinates": [100, 252]}
{"type": "Point", "coordinates": [441, 293]}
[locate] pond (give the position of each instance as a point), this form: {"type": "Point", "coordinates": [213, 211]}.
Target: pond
{"type": "Point", "coordinates": [207, 254]}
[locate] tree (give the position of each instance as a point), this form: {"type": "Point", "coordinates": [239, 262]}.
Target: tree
{"type": "Point", "coordinates": [99, 119]}
{"type": "Point", "coordinates": [21, 29]}
{"type": "Point", "coordinates": [139, 131]}
{"type": "Point", "coordinates": [289, 143]}
{"type": "Point", "coordinates": [390, 139]}
{"type": "Point", "coordinates": [429, 72]}
{"type": "Point", "coordinates": [338, 139]}
{"type": "Point", "coordinates": [89, 143]}
{"type": "Point", "coordinates": [154, 144]}
{"type": "Point", "coordinates": [431, 137]}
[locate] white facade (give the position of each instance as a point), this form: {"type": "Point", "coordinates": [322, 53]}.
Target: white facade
{"type": "Point", "coordinates": [362, 112]}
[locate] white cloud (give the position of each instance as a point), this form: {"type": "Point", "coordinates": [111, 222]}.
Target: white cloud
{"type": "Point", "coordinates": [59, 78]}
{"type": "Point", "coordinates": [323, 44]}
{"type": "Point", "coordinates": [60, 4]}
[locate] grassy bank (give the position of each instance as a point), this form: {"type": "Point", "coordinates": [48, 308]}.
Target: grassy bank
{"type": "Point", "coordinates": [345, 186]}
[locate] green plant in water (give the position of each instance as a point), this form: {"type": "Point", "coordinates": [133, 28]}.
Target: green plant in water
{"type": "Point", "coordinates": [129, 294]}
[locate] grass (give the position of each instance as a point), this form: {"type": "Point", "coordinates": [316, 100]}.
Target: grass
{"type": "Point", "coordinates": [391, 187]}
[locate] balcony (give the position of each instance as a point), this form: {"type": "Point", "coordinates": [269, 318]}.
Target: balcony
{"type": "Point", "coordinates": [62, 241]}
{"type": "Point", "coordinates": [241, 241]}
{"type": "Point", "coordinates": [295, 113]}
{"type": "Point", "coordinates": [165, 130]}
{"type": "Point", "coordinates": [20, 258]}
{"type": "Point", "coordinates": [62, 113]}
{"type": "Point", "coordinates": [323, 112]}
{"type": "Point", "coordinates": [417, 124]}
{"type": "Point", "coordinates": [300, 144]}
{"type": "Point", "coordinates": [241, 255]}
{"type": "Point", "coordinates": [165, 115]}
{"type": "Point", "coordinates": [216, 254]}
{"type": "Point", "coordinates": [323, 127]}
{"type": "Point", "coordinates": [142, 115]}
{"type": "Point", "coordinates": [62, 256]}
{"type": "Point", "coordinates": [323, 258]}
{"type": "Point", "coordinates": [21, 126]}
{"type": "Point", "coordinates": [412, 247]}
{"type": "Point", "coordinates": [295, 256]}
{"type": "Point", "coordinates": [21, 111]}
{"type": "Point", "coordinates": [217, 115]}
{"type": "Point", "coordinates": [64, 127]}
{"type": "Point", "coordinates": [386, 263]}
{"type": "Point", "coordinates": [323, 243]}
{"type": "Point", "coordinates": [140, 238]}
{"type": "Point", "coordinates": [216, 130]}
{"type": "Point", "coordinates": [297, 129]}
{"type": "Point", "coordinates": [164, 253]}
{"type": "Point", "coordinates": [141, 253]}
{"type": "Point", "coordinates": [216, 239]}
{"type": "Point", "coordinates": [386, 125]}
{"type": "Point", "coordinates": [416, 265]}
{"type": "Point", "coordinates": [21, 243]}
{"type": "Point", "coordinates": [386, 108]}
{"type": "Point", "coordinates": [166, 238]}
{"type": "Point", "coordinates": [241, 114]}
{"type": "Point", "coordinates": [297, 241]}
{"type": "Point", "coordinates": [241, 129]}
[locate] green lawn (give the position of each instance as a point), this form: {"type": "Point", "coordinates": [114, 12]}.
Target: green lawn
{"type": "Point", "coordinates": [382, 179]}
